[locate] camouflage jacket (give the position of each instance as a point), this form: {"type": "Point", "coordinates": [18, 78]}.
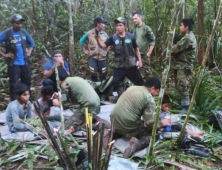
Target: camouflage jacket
{"type": "Point", "coordinates": [184, 52]}
{"type": "Point", "coordinates": [144, 37]}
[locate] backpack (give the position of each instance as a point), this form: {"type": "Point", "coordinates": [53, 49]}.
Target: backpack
{"type": "Point", "coordinates": [216, 119]}
{"type": "Point", "coordinates": [193, 145]}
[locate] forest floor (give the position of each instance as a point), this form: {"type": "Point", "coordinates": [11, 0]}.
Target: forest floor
{"type": "Point", "coordinates": [166, 154]}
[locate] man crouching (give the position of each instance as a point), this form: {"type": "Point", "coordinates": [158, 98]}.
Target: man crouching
{"type": "Point", "coordinates": [134, 103]}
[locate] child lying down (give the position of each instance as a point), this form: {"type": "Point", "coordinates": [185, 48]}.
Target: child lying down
{"type": "Point", "coordinates": [166, 105]}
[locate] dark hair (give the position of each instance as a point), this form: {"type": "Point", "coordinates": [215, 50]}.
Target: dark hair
{"type": "Point", "coordinates": [167, 99]}
{"type": "Point", "coordinates": [99, 20]}
{"type": "Point", "coordinates": [153, 82]}
{"type": "Point", "coordinates": [138, 13]}
{"type": "Point", "coordinates": [188, 22]}
{"type": "Point", "coordinates": [20, 88]}
{"type": "Point", "coordinates": [47, 90]}
{"type": "Point", "coordinates": [62, 73]}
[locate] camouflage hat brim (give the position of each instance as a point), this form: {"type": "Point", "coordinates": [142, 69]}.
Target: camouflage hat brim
{"type": "Point", "coordinates": [120, 20]}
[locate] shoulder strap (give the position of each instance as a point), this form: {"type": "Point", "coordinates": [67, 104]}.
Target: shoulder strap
{"type": "Point", "coordinates": [22, 31]}
{"type": "Point", "coordinates": [129, 35]}
{"type": "Point", "coordinates": [8, 33]}
{"type": "Point", "coordinates": [114, 37]}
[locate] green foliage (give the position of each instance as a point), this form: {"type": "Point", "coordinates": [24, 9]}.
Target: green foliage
{"type": "Point", "coordinates": [30, 157]}
{"type": "Point", "coordinates": [13, 148]}
{"type": "Point", "coordinates": [208, 94]}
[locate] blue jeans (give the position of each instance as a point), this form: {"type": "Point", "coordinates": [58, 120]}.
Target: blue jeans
{"type": "Point", "coordinates": [48, 81]}
{"type": "Point", "coordinates": [97, 66]}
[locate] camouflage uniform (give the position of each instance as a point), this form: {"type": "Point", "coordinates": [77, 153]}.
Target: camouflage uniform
{"type": "Point", "coordinates": [78, 119]}
{"type": "Point", "coordinates": [135, 102]}
{"type": "Point", "coordinates": [184, 54]}
{"type": "Point", "coordinates": [144, 38]}
{"type": "Point", "coordinates": [82, 93]}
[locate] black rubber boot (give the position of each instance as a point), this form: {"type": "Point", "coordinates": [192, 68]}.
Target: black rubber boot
{"type": "Point", "coordinates": [135, 145]}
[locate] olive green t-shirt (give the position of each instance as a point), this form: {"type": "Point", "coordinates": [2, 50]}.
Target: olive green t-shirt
{"type": "Point", "coordinates": [81, 92]}
{"type": "Point", "coordinates": [144, 37]}
{"type": "Point", "coordinates": [134, 103]}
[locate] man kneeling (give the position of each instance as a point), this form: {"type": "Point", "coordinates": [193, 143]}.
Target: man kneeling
{"type": "Point", "coordinates": [82, 93]}
{"type": "Point", "coordinates": [134, 103]}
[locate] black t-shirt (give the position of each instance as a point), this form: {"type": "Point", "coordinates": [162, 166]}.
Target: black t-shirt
{"type": "Point", "coordinates": [110, 41]}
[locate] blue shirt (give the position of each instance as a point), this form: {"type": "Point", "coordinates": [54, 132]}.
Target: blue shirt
{"type": "Point", "coordinates": [85, 37]}
{"type": "Point", "coordinates": [50, 64]}
{"type": "Point", "coordinates": [17, 35]}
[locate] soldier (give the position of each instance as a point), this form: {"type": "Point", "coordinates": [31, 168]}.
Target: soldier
{"type": "Point", "coordinates": [81, 92]}
{"type": "Point", "coordinates": [134, 103]}
{"type": "Point", "coordinates": [146, 41]}
{"type": "Point", "coordinates": [184, 53]}
{"type": "Point", "coordinates": [97, 56]}
{"type": "Point", "coordinates": [17, 41]}
{"type": "Point", "coordinates": [125, 50]}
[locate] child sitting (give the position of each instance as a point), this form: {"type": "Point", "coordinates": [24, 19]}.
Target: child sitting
{"type": "Point", "coordinates": [48, 99]}
{"type": "Point", "coordinates": [19, 108]}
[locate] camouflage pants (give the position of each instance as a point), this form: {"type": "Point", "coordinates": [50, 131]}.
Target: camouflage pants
{"type": "Point", "coordinates": [182, 82]}
{"type": "Point", "coordinates": [141, 131]}
{"type": "Point", "coordinates": [146, 70]}
{"type": "Point", "coordinates": [78, 118]}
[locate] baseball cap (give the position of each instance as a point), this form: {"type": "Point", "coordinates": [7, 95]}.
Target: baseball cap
{"type": "Point", "coordinates": [16, 17]}
{"type": "Point", "coordinates": [120, 20]}
{"type": "Point", "coordinates": [99, 20]}
{"type": "Point", "coordinates": [55, 52]}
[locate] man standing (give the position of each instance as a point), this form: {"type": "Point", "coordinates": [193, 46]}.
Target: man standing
{"type": "Point", "coordinates": [49, 72]}
{"type": "Point", "coordinates": [146, 41]}
{"type": "Point", "coordinates": [97, 56]}
{"type": "Point", "coordinates": [125, 50]}
{"type": "Point", "coordinates": [18, 48]}
{"type": "Point", "coordinates": [184, 53]}
{"type": "Point", "coordinates": [134, 103]}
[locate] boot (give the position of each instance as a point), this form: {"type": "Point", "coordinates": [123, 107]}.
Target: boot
{"type": "Point", "coordinates": [135, 145]}
{"type": "Point", "coordinates": [107, 124]}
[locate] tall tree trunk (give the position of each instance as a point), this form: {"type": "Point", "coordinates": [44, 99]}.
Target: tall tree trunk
{"type": "Point", "coordinates": [181, 15]}
{"type": "Point", "coordinates": [200, 30]}
{"type": "Point", "coordinates": [156, 25]}
{"type": "Point", "coordinates": [35, 23]}
{"type": "Point", "coordinates": [71, 37]}
{"type": "Point", "coordinates": [203, 66]}
{"type": "Point", "coordinates": [177, 9]}
{"type": "Point", "coordinates": [104, 5]}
